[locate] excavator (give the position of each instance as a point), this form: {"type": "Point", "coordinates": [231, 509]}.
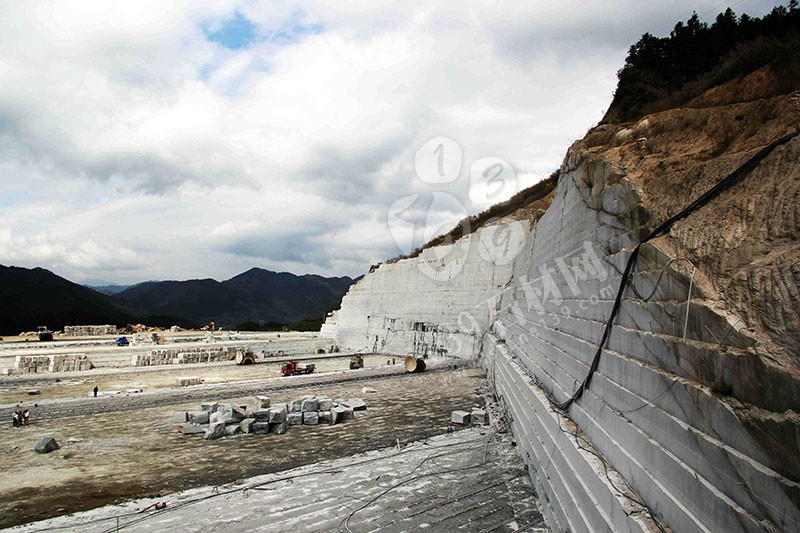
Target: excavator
{"type": "Point", "coordinates": [356, 361]}
{"type": "Point", "coordinates": [45, 334]}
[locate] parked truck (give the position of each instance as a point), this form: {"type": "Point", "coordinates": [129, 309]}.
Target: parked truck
{"type": "Point", "coordinates": [293, 368]}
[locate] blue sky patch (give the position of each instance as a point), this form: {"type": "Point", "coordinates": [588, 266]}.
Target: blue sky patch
{"type": "Point", "coordinates": [237, 32]}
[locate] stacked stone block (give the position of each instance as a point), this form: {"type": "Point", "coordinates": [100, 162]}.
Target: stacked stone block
{"type": "Point", "coordinates": [88, 331]}
{"type": "Point", "coordinates": [180, 356]}
{"type": "Point", "coordinates": [188, 381]}
{"type": "Point", "coordinates": [37, 364]}
{"type": "Point", "coordinates": [260, 416]}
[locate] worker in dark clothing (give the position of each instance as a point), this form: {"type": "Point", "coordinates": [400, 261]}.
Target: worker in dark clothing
{"type": "Point", "coordinates": [15, 418]}
{"type": "Point", "coordinates": [95, 391]}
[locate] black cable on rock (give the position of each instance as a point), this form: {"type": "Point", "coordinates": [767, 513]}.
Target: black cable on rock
{"type": "Point", "coordinates": [664, 228]}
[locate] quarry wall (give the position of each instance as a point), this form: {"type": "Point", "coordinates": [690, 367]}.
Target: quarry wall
{"type": "Point", "coordinates": [438, 303]}
{"type": "Point", "coordinates": [686, 424]}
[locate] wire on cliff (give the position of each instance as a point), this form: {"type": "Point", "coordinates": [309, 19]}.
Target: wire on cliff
{"type": "Point", "coordinates": [663, 229]}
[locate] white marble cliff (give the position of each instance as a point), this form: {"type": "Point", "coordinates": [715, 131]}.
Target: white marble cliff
{"type": "Point", "coordinates": [690, 421]}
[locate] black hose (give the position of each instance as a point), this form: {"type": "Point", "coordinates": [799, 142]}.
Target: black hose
{"type": "Point", "coordinates": [662, 229]}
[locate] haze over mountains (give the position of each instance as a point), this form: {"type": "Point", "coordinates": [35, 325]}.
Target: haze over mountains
{"type": "Point", "coordinates": [33, 297]}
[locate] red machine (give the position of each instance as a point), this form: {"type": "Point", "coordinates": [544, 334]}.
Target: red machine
{"type": "Point", "coordinates": [293, 368]}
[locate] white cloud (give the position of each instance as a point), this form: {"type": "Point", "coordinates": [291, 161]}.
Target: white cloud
{"type": "Point", "coordinates": [133, 147]}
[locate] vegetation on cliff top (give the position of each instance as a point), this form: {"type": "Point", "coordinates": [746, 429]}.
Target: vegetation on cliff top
{"type": "Point", "coordinates": [521, 200]}
{"type": "Point", "coordinates": [664, 73]}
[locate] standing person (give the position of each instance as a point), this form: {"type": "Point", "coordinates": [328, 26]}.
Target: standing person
{"type": "Point", "coordinates": [95, 391]}
{"type": "Point", "coordinates": [15, 418]}
{"type": "Point", "coordinates": [26, 415]}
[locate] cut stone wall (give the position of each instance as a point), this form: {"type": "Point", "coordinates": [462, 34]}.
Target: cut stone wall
{"type": "Point", "coordinates": [438, 303]}
{"type": "Point", "coordinates": [651, 410]}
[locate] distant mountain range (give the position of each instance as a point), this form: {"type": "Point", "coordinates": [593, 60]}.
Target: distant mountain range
{"type": "Point", "coordinates": [33, 297]}
{"type": "Point", "coordinates": [109, 289]}
{"type": "Point", "coordinates": [256, 295]}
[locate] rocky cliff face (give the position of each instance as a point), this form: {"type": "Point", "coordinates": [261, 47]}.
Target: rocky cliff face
{"type": "Point", "coordinates": [689, 422]}
{"type": "Point", "coordinates": [438, 303]}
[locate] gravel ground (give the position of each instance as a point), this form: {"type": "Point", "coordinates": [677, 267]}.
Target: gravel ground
{"type": "Point", "coordinates": [120, 448]}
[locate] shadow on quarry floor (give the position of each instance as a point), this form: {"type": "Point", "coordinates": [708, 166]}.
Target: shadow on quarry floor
{"type": "Point", "coordinates": [470, 481]}
{"type": "Point", "coordinates": [113, 457]}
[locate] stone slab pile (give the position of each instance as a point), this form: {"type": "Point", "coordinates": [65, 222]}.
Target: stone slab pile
{"type": "Point", "coordinates": [261, 416]}
{"type": "Point", "coordinates": [89, 331]}
{"type": "Point", "coordinates": [181, 356]}
{"type": "Point", "coordinates": [188, 381]}
{"type": "Point", "coordinates": [69, 363]}
{"type": "Point", "coordinates": [37, 364]}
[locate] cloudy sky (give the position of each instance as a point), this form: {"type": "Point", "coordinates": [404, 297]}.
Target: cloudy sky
{"type": "Point", "coordinates": [175, 140]}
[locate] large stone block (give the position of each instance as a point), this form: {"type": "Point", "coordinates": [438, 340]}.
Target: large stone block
{"type": "Point", "coordinates": [296, 406]}
{"type": "Point", "coordinates": [246, 425]}
{"type": "Point", "coordinates": [224, 417]}
{"type": "Point", "coordinates": [232, 429]}
{"type": "Point", "coordinates": [340, 413]}
{"type": "Point", "coordinates": [324, 417]}
{"type": "Point", "coordinates": [199, 417]}
{"type": "Point", "coordinates": [179, 417]}
{"type": "Point", "coordinates": [215, 431]}
{"type": "Point", "coordinates": [325, 404]}
{"type": "Point", "coordinates": [280, 428]}
{"type": "Point", "coordinates": [459, 417]}
{"type": "Point", "coordinates": [478, 417]}
{"type": "Point", "coordinates": [191, 429]}
{"type": "Point", "coordinates": [261, 415]}
{"type": "Point", "coordinates": [46, 445]}
{"type": "Point", "coordinates": [310, 405]}
{"type": "Point", "coordinates": [223, 407]}
{"type": "Point", "coordinates": [210, 407]}
{"type": "Point", "coordinates": [262, 402]}
{"type": "Point", "coordinates": [356, 404]}
{"type": "Point", "coordinates": [310, 418]}
{"type": "Point", "coordinates": [260, 427]}
{"type": "Point", "coordinates": [277, 413]}
{"type": "Point", "coordinates": [294, 419]}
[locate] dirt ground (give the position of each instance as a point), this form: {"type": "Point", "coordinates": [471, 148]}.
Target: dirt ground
{"type": "Point", "coordinates": [109, 457]}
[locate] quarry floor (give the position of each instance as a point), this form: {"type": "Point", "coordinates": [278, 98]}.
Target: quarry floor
{"type": "Point", "coordinates": [118, 448]}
